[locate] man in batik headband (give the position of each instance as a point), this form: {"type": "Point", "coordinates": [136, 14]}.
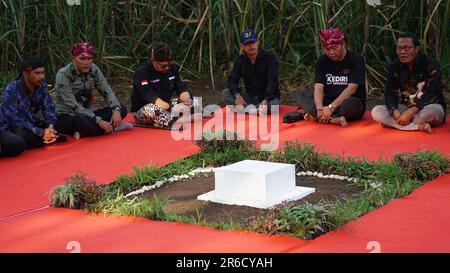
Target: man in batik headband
{"type": "Point", "coordinates": [74, 84]}
{"type": "Point", "coordinates": [339, 86]}
{"type": "Point", "coordinates": [27, 113]}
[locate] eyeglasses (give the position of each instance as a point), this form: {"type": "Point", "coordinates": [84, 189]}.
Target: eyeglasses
{"type": "Point", "coordinates": [404, 48]}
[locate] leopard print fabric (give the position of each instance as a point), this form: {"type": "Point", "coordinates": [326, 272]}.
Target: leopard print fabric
{"type": "Point", "coordinates": [153, 115]}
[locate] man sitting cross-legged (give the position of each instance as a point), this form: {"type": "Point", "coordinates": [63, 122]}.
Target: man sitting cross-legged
{"type": "Point", "coordinates": [339, 91]}
{"type": "Point", "coordinates": [27, 112]}
{"type": "Point", "coordinates": [154, 85]}
{"type": "Point", "coordinates": [413, 92]}
{"type": "Point", "coordinates": [74, 85]}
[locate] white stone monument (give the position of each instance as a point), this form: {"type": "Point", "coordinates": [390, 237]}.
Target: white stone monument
{"type": "Point", "coordinates": [256, 184]}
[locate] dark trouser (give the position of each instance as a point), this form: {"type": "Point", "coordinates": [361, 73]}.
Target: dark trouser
{"type": "Point", "coordinates": [11, 144]}
{"type": "Point", "coordinates": [352, 108]}
{"type": "Point", "coordinates": [31, 140]}
{"type": "Point", "coordinates": [229, 98]}
{"type": "Point", "coordinates": [68, 124]}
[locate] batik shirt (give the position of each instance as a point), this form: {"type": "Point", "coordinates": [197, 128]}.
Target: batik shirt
{"type": "Point", "coordinates": [419, 87]}
{"type": "Point", "coordinates": [24, 108]}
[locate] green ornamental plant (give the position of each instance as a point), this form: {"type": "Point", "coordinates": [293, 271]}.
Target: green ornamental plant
{"type": "Point", "coordinates": [77, 192]}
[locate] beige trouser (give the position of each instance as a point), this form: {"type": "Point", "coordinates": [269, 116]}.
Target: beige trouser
{"type": "Point", "coordinates": [431, 113]}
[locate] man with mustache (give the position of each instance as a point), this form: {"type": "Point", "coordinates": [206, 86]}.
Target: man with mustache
{"type": "Point", "coordinates": [339, 93]}
{"type": "Point", "coordinates": [27, 112]}
{"type": "Point", "coordinates": [413, 93]}
{"type": "Point", "coordinates": [259, 69]}
{"type": "Point", "coordinates": [74, 84]}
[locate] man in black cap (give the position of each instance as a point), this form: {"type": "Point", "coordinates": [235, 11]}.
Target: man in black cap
{"type": "Point", "coordinates": [27, 109]}
{"type": "Point", "coordinates": [260, 72]}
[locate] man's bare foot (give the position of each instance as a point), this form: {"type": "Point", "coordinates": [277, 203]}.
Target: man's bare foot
{"type": "Point", "coordinates": [339, 121]}
{"type": "Point", "coordinates": [426, 128]}
{"type": "Point", "coordinates": [309, 117]}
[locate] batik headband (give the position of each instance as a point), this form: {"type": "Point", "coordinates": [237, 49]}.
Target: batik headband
{"type": "Point", "coordinates": [332, 36]}
{"type": "Point", "coordinates": [80, 48]}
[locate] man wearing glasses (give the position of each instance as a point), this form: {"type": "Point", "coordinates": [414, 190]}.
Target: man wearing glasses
{"type": "Point", "coordinates": [154, 84]}
{"type": "Point", "coordinates": [259, 69]}
{"type": "Point", "coordinates": [339, 84]}
{"type": "Point", "coordinates": [413, 92]}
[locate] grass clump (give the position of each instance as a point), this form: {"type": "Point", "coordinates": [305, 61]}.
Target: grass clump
{"type": "Point", "coordinates": [78, 192]}
{"type": "Point", "coordinates": [422, 166]}
{"type": "Point", "coordinates": [138, 207]}
{"type": "Point", "coordinates": [306, 221]}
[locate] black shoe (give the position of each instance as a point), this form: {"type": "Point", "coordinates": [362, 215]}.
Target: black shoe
{"type": "Point", "coordinates": [292, 117]}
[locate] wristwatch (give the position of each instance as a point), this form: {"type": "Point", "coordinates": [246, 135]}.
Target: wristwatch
{"type": "Point", "coordinates": [237, 95]}
{"type": "Point", "coordinates": [331, 107]}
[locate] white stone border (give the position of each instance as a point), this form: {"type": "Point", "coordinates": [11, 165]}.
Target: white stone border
{"type": "Point", "coordinates": [196, 171]}
{"type": "Point", "coordinates": [328, 176]}
{"type": "Point", "coordinates": [373, 184]}
{"type": "Point", "coordinates": [174, 178]}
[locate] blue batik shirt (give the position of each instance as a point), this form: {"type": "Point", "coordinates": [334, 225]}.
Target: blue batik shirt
{"type": "Point", "coordinates": [30, 110]}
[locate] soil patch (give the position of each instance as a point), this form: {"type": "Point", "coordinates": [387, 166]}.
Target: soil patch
{"type": "Point", "coordinates": [183, 198]}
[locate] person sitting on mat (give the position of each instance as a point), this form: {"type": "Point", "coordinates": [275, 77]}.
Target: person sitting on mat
{"type": "Point", "coordinates": [259, 69]}
{"type": "Point", "coordinates": [74, 84]}
{"type": "Point", "coordinates": [413, 93]}
{"type": "Point", "coordinates": [339, 90]}
{"type": "Point", "coordinates": [154, 84]}
{"type": "Point", "coordinates": [10, 144]}
{"type": "Point", "coordinates": [27, 112]}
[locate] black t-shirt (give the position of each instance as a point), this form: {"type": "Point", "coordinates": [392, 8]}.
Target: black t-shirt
{"type": "Point", "coordinates": [261, 78]}
{"type": "Point", "coordinates": [335, 76]}
{"type": "Point", "coordinates": [149, 85]}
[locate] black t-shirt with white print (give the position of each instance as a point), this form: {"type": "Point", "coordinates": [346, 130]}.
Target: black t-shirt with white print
{"type": "Point", "coordinates": [335, 76]}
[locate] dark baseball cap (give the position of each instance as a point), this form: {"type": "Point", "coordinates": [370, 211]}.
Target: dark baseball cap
{"type": "Point", "coordinates": [248, 35]}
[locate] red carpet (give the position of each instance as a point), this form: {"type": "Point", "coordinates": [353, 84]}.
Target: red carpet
{"type": "Point", "coordinates": [51, 230]}
{"type": "Point", "coordinates": [367, 138]}
{"type": "Point", "coordinates": [419, 222]}
{"type": "Point", "coordinates": [409, 224]}
{"type": "Point", "coordinates": [26, 179]}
